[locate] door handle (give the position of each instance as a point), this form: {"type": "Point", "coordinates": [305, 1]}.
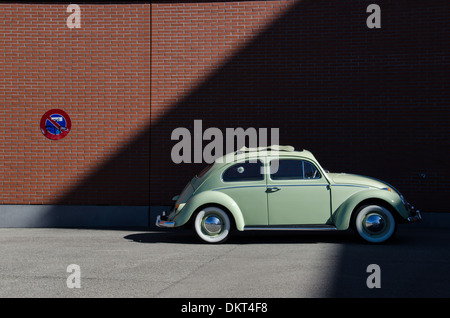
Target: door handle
{"type": "Point", "coordinates": [272, 189]}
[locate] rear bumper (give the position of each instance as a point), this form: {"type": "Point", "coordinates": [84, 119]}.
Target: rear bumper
{"type": "Point", "coordinates": [164, 223]}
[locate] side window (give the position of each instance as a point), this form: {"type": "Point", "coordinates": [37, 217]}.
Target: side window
{"type": "Point", "coordinates": [310, 171]}
{"type": "Point", "coordinates": [287, 169]}
{"type": "Point", "coordinates": [245, 171]}
{"type": "Point", "coordinates": [291, 169]}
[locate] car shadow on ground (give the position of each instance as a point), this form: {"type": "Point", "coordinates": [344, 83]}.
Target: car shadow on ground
{"type": "Point", "coordinates": [406, 235]}
{"type": "Point", "coordinates": [186, 236]}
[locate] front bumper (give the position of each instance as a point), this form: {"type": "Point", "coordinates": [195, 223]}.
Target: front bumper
{"type": "Point", "coordinates": [162, 222]}
{"type": "Point", "coordinates": [415, 218]}
{"type": "Point", "coordinates": [415, 215]}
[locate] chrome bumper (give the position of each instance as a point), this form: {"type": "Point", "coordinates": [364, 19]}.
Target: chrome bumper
{"type": "Point", "coordinates": [415, 218]}
{"type": "Point", "coordinates": [164, 223]}
{"type": "Point", "coordinates": [415, 214]}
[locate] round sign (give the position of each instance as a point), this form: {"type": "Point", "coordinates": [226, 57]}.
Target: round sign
{"type": "Point", "coordinates": [55, 124]}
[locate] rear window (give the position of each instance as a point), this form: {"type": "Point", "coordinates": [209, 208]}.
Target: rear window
{"type": "Point", "coordinates": [244, 171]}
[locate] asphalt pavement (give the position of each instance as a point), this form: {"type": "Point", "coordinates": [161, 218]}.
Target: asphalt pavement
{"type": "Point", "coordinates": [128, 263]}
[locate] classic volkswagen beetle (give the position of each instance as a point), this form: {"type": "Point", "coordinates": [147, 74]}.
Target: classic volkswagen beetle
{"type": "Point", "coordinates": [277, 188]}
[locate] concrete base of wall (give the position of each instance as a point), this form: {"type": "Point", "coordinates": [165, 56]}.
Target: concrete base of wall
{"type": "Point", "coordinates": [143, 217]}
{"type": "Point", "coordinates": [156, 210]}
{"type": "Point", "coordinates": [74, 216]}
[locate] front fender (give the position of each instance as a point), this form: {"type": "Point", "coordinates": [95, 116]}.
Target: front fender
{"type": "Point", "coordinates": [210, 198]}
{"type": "Point", "coordinates": [343, 214]}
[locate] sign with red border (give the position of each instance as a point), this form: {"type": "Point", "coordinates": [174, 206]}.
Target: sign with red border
{"type": "Point", "coordinates": [55, 124]}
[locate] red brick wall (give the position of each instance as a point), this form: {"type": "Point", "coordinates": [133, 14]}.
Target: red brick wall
{"type": "Point", "coordinates": [367, 101]}
{"type": "Point", "coordinates": [192, 40]}
{"type": "Point", "coordinates": [100, 75]}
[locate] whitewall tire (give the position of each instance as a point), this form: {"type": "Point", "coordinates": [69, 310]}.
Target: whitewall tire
{"type": "Point", "coordinates": [375, 224]}
{"type": "Point", "coordinates": [212, 225]}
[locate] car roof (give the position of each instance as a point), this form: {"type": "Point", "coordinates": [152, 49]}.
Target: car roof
{"type": "Point", "coordinates": [272, 150]}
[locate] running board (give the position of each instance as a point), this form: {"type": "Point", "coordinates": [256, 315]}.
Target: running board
{"type": "Point", "coordinates": [305, 227]}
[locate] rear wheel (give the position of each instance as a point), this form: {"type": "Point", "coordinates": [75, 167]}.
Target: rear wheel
{"type": "Point", "coordinates": [212, 225]}
{"type": "Point", "coordinates": [375, 224]}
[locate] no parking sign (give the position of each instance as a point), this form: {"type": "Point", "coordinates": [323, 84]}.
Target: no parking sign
{"type": "Point", "coordinates": [55, 124]}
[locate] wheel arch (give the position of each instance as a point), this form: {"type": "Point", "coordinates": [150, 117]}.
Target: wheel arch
{"type": "Point", "coordinates": [344, 215]}
{"type": "Point", "coordinates": [190, 222]}
{"type": "Point", "coordinates": [212, 198]}
{"type": "Point", "coordinates": [374, 201]}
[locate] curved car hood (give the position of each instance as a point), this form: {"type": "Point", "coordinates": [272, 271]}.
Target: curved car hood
{"type": "Point", "coordinates": [353, 179]}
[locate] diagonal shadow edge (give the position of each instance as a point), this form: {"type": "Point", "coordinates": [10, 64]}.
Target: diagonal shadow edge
{"type": "Point", "coordinates": [363, 87]}
{"type": "Point", "coordinates": [244, 84]}
{"type": "Point", "coordinates": [164, 124]}
{"type": "Point", "coordinates": [114, 195]}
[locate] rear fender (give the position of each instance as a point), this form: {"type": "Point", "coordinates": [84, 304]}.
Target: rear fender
{"type": "Point", "coordinates": [210, 198]}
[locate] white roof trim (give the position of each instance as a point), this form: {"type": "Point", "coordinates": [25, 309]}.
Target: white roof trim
{"type": "Point", "coordinates": [271, 147]}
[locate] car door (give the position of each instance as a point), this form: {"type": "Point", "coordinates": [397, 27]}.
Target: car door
{"type": "Point", "coordinates": [245, 183]}
{"type": "Point", "coordinates": [297, 193]}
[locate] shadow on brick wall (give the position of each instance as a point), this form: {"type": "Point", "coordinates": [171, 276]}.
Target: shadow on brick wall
{"type": "Point", "coordinates": [123, 179]}
{"type": "Point", "coordinates": [365, 101]}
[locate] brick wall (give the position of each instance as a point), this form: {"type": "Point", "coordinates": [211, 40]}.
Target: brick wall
{"type": "Point", "coordinates": [367, 101]}
{"type": "Point", "coordinates": [100, 75]}
{"type": "Point", "coordinates": [192, 40]}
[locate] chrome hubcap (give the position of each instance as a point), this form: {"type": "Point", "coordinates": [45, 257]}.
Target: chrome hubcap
{"type": "Point", "coordinates": [212, 224]}
{"type": "Point", "coordinates": [374, 223]}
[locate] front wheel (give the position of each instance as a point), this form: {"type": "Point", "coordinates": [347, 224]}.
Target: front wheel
{"type": "Point", "coordinates": [212, 225]}
{"type": "Point", "coordinates": [375, 224]}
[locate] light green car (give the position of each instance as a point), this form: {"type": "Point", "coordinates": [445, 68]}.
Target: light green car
{"type": "Point", "coordinates": [277, 188]}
